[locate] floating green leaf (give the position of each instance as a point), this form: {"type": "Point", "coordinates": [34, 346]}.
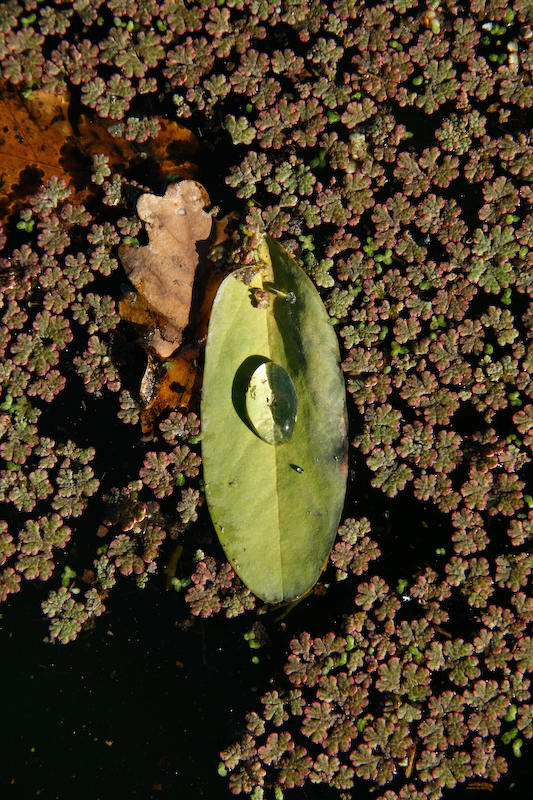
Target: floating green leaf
{"type": "Point", "coordinates": [274, 427]}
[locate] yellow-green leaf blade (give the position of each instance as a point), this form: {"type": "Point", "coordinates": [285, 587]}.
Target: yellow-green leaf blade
{"type": "Point", "coordinates": [275, 507]}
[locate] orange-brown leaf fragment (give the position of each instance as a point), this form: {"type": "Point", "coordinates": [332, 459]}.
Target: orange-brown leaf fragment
{"type": "Point", "coordinates": [38, 140]}
{"type": "Point", "coordinates": [169, 270]}
{"type": "Point", "coordinates": [168, 384]}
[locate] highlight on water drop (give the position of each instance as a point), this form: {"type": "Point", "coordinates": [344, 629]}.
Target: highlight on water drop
{"type": "Point", "coordinates": [272, 403]}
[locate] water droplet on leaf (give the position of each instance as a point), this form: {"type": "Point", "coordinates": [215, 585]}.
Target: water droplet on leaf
{"type": "Point", "coordinates": [272, 403]}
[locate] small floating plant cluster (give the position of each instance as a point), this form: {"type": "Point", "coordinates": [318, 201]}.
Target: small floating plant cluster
{"type": "Point", "coordinates": [389, 147]}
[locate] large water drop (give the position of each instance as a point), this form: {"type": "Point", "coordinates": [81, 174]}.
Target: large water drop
{"type": "Point", "coordinates": [272, 403]}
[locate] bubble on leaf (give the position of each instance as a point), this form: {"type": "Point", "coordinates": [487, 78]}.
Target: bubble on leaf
{"type": "Point", "coordinates": [272, 403]}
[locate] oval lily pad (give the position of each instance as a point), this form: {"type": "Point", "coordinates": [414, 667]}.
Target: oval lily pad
{"type": "Point", "coordinates": [275, 506]}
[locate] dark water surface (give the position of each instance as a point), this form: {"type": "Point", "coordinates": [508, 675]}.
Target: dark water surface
{"type": "Point", "coordinates": [140, 706]}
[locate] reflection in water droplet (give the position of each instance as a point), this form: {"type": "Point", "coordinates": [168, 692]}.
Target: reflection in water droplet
{"type": "Point", "coordinates": [272, 403]}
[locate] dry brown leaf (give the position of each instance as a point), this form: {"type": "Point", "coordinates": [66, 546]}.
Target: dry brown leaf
{"type": "Point", "coordinates": [165, 270]}
{"type": "Point", "coordinates": [174, 293]}
{"type": "Point", "coordinates": [37, 140]}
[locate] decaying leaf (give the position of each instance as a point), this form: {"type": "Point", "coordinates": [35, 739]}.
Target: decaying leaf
{"type": "Point", "coordinates": [173, 293]}
{"type": "Point", "coordinates": [38, 140]}
{"type": "Point", "coordinates": [164, 271]}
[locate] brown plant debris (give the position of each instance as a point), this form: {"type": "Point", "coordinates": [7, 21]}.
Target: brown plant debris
{"type": "Point", "coordinates": [164, 271]}
{"type": "Point", "coordinates": [174, 292]}
{"type": "Point", "coordinates": [39, 139]}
